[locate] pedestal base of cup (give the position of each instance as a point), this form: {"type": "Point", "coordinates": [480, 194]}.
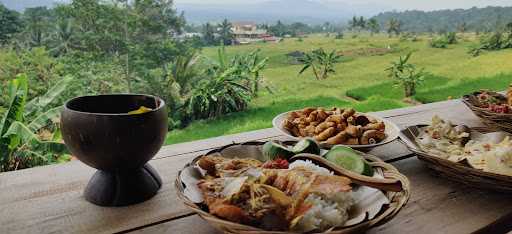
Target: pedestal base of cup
{"type": "Point", "coordinates": [122, 188]}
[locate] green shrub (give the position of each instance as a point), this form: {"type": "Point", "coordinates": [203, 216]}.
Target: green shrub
{"type": "Point", "coordinates": [495, 41]}
{"type": "Point", "coordinates": [445, 40]}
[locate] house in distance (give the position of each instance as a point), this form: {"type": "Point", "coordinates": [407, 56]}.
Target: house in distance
{"type": "Point", "coordinates": [245, 32]}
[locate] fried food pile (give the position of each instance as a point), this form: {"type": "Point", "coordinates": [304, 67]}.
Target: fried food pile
{"type": "Point", "coordinates": [335, 126]}
{"type": "Point", "coordinates": [275, 199]}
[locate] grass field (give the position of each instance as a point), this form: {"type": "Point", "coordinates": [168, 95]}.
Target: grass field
{"type": "Point", "coordinates": [360, 80]}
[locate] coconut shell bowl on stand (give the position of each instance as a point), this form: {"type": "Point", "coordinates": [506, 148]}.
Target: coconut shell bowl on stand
{"type": "Point", "coordinates": [118, 135]}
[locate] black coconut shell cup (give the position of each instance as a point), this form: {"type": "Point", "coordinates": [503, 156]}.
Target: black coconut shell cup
{"type": "Point", "coordinates": [99, 131]}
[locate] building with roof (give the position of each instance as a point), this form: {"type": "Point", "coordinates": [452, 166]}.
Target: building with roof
{"type": "Point", "coordinates": [245, 32]}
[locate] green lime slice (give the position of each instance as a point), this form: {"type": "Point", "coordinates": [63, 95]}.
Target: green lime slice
{"type": "Point", "coordinates": [306, 145]}
{"type": "Point", "coordinates": [274, 149]}
{"type": "Point", "coordinates": [346, 158]}
{"type": "Point", "coordinates": [368, 169]}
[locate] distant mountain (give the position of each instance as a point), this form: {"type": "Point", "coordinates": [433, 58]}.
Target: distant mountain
{"type": "Point", "coordinates": [473, 19]}
{"type": "Point", "coordinates": [307, 11]}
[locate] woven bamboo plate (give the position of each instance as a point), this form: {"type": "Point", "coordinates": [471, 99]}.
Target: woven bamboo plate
{"type": "Point", "coordinates": [495, 121]}
{"type": "Point", "coordinates": [459, 172]}
{"type": "Point", "coordinates": [397, 200]}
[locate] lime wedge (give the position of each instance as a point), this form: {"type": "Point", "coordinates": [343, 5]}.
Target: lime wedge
{"type": "Point", "coordinates": [274, 150]}
{"type": "Point", "coordinates": [368, 169]}
{"type": "Point", "coordinates": [347, 158]}
{"type": "Point", "coordinates": [306, 145]}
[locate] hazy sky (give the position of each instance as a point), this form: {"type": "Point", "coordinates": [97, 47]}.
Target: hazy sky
{"type": "Point", "coordinates": [394, 4]}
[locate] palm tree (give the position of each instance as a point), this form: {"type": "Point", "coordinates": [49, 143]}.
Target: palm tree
{"type": "Point", "coordinates": [394, 26]}
{"type": "Point", "coordinates": [373, 25]}
{"type": "Point", "coordinates": [361, 23]}
{"type": "Point", "coordinates": [320, 62]}
{"type": "Point", "coordinates": [225, 32]}
{"type": "Point", "coordinates": [63, 37]}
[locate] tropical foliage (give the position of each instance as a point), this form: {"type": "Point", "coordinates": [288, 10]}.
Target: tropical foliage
{"type": "Point", "coordinates": [228, 86]}
{"type": "Point", "coordinates": [320, 62]}
{"type": "Point", "coordinates": [26, 137]}
{"type": "Point", "coordinates": [406, 74]}
{"type": "Point", "coordinates": [494, 41]}
{"type": "Point", "coordinates": [446, 39]}
{"type": "Point", "coordinates": [394, 26]}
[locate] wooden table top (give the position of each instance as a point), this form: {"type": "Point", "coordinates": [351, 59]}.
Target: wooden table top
{"type": "Point", "coordinates": [49, 199]}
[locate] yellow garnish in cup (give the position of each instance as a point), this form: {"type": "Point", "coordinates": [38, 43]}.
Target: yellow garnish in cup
{"type": "Point", "coordinates": [139, 111]}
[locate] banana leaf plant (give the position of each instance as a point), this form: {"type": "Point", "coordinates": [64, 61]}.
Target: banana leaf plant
{"type": "Point", "coordinates": [321, 63]}
{"type": "Point", "coordinates": [252, 64]}
{"type": "Point", "coordinates": [20, 144]}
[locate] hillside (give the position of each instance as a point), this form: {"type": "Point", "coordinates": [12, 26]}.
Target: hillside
{"type": "Point", "coordinates": [476, 19]}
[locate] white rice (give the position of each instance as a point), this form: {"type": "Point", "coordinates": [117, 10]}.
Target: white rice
{"type": "Point", "coordinates": [308, 164]}
{"type": "Point", "coordinates": [326, 212]}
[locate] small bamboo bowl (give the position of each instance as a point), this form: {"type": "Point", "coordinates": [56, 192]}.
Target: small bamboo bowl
{"type": "Point", "coordinates": [495, 121]}
{"type": "Point", "coordinates": [397, 201]}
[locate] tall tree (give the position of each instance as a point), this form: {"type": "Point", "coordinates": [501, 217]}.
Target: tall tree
{"type": "Point", "coordinates": [226, 34]}
{"type": "Point", "coordinates": [279, 29]}
{"type": "Point", "coordinates": [373, 26]}
{"type": "Point", "coordinates": [38, 25]}
{"type": "Point", "coordinates": [10, 24]}
{"type": "Point", "coordinates": [361, 23]}
{"type": "Point", "coordinates": [394, 26]}
{"type": "Point", "coordinates": [63, 38]}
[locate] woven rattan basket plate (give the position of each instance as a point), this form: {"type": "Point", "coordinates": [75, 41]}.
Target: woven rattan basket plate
{"type": "Point", "coordinates": [386, 213]}
{"type": "Point", "coordinates": [459, 172]}
{"type": "Point", "coordinates": [495, 121]}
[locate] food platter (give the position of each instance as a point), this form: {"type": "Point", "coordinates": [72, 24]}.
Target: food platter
{"type": "Point", "coordinates": [391, 131]}
{"type": "Point", "coordinates": [463, 170]}
{"type": "Point", "coordinates": [496, 114]}
{"type": "Point", "coordinates": [371, 207]}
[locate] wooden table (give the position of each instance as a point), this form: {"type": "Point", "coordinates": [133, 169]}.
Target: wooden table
{"type": "Point", "coordinates": [49, 199]}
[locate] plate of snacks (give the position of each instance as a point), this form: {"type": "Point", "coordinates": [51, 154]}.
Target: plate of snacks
{"type": "Point", "coordinates": [494, 109]}
{"type": "Point", "coordinates": [479, 159]}
{"type": "Point", "coordinates": [269, 187]}
{"type": "Point", "coordinates": [337, 126]}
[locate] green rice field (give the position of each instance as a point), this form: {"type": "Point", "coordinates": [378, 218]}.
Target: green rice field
{"type": "Point", "coordinates": [360, 80]}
